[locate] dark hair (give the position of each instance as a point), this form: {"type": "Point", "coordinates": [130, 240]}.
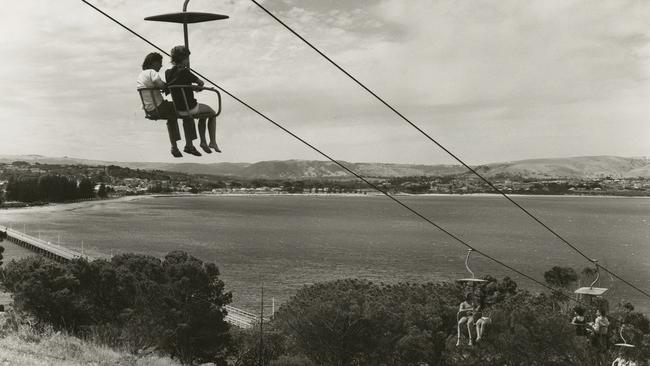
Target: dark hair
{"type": "Point", "coordinates": [602, 310]}
{"type": "Point", "coordinates": [150, 59]}
{"type": "Point", "coordinates": [469, 296]}
{"type": "Point", "coordinates": [579, 310]}
{"type": "Point", "coordinates": [179, 53]}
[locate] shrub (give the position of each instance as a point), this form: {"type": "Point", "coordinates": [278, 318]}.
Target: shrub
{"type": "Point", "coordinates": [175, 305]}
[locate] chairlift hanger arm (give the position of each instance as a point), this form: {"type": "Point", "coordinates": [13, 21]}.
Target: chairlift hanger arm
{"type": "Point", "coordinates": [473, 279]}
{"type": "Point", "coordinates": [591, 290]}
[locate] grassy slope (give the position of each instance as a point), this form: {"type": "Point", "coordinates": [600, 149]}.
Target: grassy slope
{"type": "Point", "coordinates": [62, 350]}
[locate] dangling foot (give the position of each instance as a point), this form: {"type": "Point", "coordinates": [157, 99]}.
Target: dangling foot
{"type": "Point", "coordinates": [478, 339]}
{"type": "Point", "coordinates": [470, 343]}
{"type": "Point", "coordinates": [176, 153]}
{"type": "Point", "coordinates": [458, 342]}
{"type": "Point", "coordinates": [192, 150]}
{"type": "Point", "coordinates": [206, 148]}
{"type": "Point", "coordinates": [215, 147]}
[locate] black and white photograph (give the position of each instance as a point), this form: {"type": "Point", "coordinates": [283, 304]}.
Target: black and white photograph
{"type": "Point", "coordinates": [325, 183]}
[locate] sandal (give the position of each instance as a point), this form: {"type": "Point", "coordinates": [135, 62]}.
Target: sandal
{"type": "Point", "coordinates": [192, 150]}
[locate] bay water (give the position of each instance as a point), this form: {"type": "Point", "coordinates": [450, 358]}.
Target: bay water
{"type": "Point", "coordinates": [283, 242]}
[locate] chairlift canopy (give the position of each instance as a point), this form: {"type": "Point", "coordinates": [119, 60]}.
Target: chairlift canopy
{"type": "Point", "coordinates": [591, 291]}
{"type": "Point", "coordinates": [470, 280]}
{"type": "Point", "coordinates": [186, 17]}
{"type": "Point", "coordinates": [625, 345]}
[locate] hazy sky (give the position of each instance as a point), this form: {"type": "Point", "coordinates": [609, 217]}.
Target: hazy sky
{"type": "Point", "coordinates": [492, 80]}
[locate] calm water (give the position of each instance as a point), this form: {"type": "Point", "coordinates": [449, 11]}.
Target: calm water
{"type": "Point", "coordinates": [285, 242]}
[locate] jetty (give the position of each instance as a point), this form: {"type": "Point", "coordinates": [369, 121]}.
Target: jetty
{"type": "Point", "coordinates": [40, 246]}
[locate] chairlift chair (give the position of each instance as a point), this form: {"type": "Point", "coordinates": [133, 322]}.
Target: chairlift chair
{"type": "Point", "coordinates": [473, 279]}
{"type": "Point", "coordinates": [591, 290]}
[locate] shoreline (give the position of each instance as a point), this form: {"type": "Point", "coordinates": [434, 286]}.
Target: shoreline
{"type": "Point", "coordinates": [53, 207]}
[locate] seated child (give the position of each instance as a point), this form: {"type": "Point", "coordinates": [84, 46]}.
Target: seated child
{"type": "Point", "coordinates": [579, 321]}
{"type": "Point", "coordinates": [482, 317]}
{"type": "Point", "coordinates": [465, 315]}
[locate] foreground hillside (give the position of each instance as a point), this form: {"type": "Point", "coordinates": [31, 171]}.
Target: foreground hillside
{"type": "Point", "coordinates": [572, 167]}
{"type": "Point", "coordinates": [30, 349]}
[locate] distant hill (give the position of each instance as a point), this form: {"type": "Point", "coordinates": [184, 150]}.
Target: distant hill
{"type": "Point", "coordinates": [574, 167]}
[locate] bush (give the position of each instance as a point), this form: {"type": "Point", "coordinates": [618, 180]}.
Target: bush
{"type": "Point", "coordinates": [175, 305]}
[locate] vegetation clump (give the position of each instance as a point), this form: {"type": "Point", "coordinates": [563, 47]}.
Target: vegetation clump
{"type": "Point", "coordinates": [355, 322]}
{"type": "Point", "coordinates": [141, 303]}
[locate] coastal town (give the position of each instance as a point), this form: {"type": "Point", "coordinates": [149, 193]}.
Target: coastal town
{"type": "Point", "coordinates": [116, 181]}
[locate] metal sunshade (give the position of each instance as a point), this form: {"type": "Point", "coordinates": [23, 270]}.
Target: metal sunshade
{"type": "Point", "coordinates": [186, 17]}
{"type": "Point", "coordinates": [591, 291]}
{"type": "Point", "coordinates": [625, 345]}
{"type": "Point", "coordinates": [470, 280]}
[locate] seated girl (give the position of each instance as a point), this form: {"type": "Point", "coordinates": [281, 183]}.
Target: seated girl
{"type": "Point", "coordinates": [180, 74]}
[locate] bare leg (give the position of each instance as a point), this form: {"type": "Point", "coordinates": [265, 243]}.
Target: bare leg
{"type": "Point", "coordinates": [460, 322]}
{"type": "Point", "coordinates": [204, 143]}
{"type": "Point", "coordinates": [202, 131]}
{"type": "Point", "coordinates": [470, 325]}
{"type": "Point", "coordinates": [212, 129]}
{"type": "Point", "coordinates": [479, 325]}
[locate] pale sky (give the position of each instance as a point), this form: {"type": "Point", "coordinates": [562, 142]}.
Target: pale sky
{"type": "Point", "coordinates": [493, 81]}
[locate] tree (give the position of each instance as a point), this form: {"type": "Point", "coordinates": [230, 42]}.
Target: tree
{"type": "Point", "coordinates": [195, 297]}
{"type": "Point", "coordinates": [561, 277]}
{"type": "Point", "coordinates": [175, 305]}
{"type": "Point", "coordinates": [101, 192]}
{"type": "Point", "coordinates": [86, 189]}
{"type": "Point", "coordinates": [354, 322]}
{"type": "Point", "coordinates": [246, 349]}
